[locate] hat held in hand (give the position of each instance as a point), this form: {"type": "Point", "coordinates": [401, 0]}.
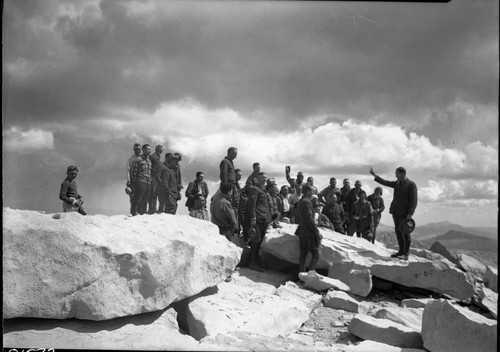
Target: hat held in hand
{"type": "Point", "coordinates": [128, 190]}
{"type": "Point", "coordinates": [407, 226]}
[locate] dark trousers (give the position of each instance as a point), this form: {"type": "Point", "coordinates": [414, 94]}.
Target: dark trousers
{"type": "Point", "coordinates": [339, 227]}
{"type": "Point", "coordinates": [303, 256]}
{"type": "Point", "coordinates": [170, 205]}
{"type": "Point", "coordinates": [404, 240]}
{"type": "Point", "coordinates": [376, 221]}
{"type": "Point", "coordinates": [140, 198]}
{"type": "Point", "coordinates": [153, 197]}
{"type": "Point", "coordinates": [260, 229]}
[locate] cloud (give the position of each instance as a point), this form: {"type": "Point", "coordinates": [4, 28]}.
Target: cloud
{"type": "Point", "coordinates": [460, 192]}
{"type": "Point", "coordinates": [15, 139]}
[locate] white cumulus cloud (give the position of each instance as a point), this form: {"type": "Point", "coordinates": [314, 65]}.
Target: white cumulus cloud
{"type": "Point", "coordinates": [33, 139]}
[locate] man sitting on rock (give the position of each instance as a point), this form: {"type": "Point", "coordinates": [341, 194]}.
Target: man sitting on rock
{"type": "Point", "coordinates": [309, 236]}
{"type": "Point", "coordinates": [72, 201]}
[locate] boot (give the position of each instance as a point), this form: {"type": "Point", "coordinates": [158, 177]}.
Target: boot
{"type": "Point", "coordinates": [254, 252]}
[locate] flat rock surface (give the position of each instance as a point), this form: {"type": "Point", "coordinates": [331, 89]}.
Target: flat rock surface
{"type": "Point", "coordinates": [102, 267]}
{"type": "Point", "coordinates": [384, 331]}
{"type": "Point", "coordinates": [448, 327]}
{"type": "Point", "coordinates": [436, 275]}
{"type": "Point", "coordinates": [150, 331]}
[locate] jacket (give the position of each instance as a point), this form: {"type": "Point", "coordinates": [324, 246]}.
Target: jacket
{"type": "Point", "coordinates": [221, 211]}
{"type": "Point", "coordinates": [405, 197]}
{"type": "Point", "coordinates": [258, 206]}
{"type": "Point", "coordinates": [334, 212]}
{"type": "Point", "coordinates": [227, 174]}
{"type": "Point", "coordinates": [194, 191]}
{"type": "Point", "coordinates": [167, 180]}
{"type": "Point", "coordinates": [307, 230]}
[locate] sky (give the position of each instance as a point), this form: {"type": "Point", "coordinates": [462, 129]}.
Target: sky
{"type": "Point", "coordinates": [329, 88]}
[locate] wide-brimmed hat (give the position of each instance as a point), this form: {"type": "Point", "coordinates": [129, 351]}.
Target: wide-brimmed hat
{"type": "Point", "coordinates": [128, 190]}
{"type": "Point", "coordinates": [177, 156]}
{"type": "Point", "coordinates": [407, 226]}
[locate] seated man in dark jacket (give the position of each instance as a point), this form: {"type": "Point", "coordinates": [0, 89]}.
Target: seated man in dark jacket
{"type": "Point", "coordinates": [309, 236]}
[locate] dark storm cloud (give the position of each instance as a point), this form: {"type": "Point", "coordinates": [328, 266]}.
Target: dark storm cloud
{"type": "Point", "coordinates": [290, 59]}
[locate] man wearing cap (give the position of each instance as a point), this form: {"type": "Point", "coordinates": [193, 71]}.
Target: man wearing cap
{"type": "Point", "coordinates": [168, 184]}
{"type": "Point", "coordinates": [258, 218]}
{"type": "Point", "coordinates": [140, 178]}
{"type": "Point", "coordinates": [402, 208]}
{"type": "Point", "coordinates": [129, 190]}
{"type": "Point", "coordinates": [196, 194]}
{"type": "Point", "coordinates": [344, 192]}
{"type": "Point", "coordinates": [309, 235]}
{"type": "Point", "coordinates": [155, 165]}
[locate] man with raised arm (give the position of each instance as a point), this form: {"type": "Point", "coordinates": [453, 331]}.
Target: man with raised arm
{"type": "Point", "coordinates": [402, 208]}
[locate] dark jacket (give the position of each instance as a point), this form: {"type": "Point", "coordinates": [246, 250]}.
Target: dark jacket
{"type": "Point", "coordinates": [352, 196]}
{"type": "Point", "coordinates": [405, 197]}
{"type": "Point", "coordinates": [307, 231]}
{"type": "Point", "coordinates": [167, 180]}
{"type": "Point", "coordinates": [227, 174]}
{"type": "Point", "coordinates": [257, 205]}
{"type": "Point", "coordinates": [334, 212]}
{"type": "Point", "coordinates": [194, 191]}
{"type": "Point", "coordinates": [222, 211]}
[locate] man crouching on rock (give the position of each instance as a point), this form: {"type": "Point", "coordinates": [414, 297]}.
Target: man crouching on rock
{"type": "Point", "coordinates": [259, 218]}
{"type": "Point", "coordinates": [72, 201]}
{"type": "Point", "coordinates": [309, 236]}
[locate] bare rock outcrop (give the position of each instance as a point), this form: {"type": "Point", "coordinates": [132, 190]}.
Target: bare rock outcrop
{"type": "Point", "coordinates": [235, 306]}
{"type": "Point", "coordinates": [385, 331]}
{"type": "Point", "coordinates": [102, 267]}
{"type": "Point", "coordinates": [448, 327]}
{"type": "Point", "coordinates": [439, 276]}
{"type": "Point", "coordinates": [151, 331]}
{"type": "Point", "coordinates": [491, 278]}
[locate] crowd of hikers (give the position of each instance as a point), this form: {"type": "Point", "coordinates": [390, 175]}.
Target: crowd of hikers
{"type": "Point", "coordinates": [248, 210]}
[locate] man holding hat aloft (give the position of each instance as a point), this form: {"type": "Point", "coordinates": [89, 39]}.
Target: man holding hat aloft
{"type": "Point", "coordinates": [402, 208]}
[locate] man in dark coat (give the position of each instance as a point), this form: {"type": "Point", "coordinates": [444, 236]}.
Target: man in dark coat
{"type": "Point", "coordinates": [402, 208]}
{"type": "Point", "coordinates": [309, 236]}
{"type": "Point", "coordinates": [258, 217]}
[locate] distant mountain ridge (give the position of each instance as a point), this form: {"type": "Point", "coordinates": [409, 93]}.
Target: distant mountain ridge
{"type": "Point", "coordinates": [433, 230]}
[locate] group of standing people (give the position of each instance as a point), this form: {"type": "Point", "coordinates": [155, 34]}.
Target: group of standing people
{"type": "Point", "coordinates": [248, 211]}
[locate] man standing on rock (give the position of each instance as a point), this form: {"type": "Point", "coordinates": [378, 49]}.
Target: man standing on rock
{"type": "Point", "coordinates": [196, 194]}
{"type": "Point", "coordinates": [168, 184]}
{"type": "Point", "coordinates": [72, 201]}
{"type": "Point", "coordinates": [402, 208]}
{"type": "Point", "coordinates": [140, 178]}
{"type": "Point", "coordinates": [259, 217]}
{"type": "Point", "coordinates": [129, 189]}
{"type": "Point", "coordinates": [155, 159]}
{"type": "Point", "coordinates": [309, 236]}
